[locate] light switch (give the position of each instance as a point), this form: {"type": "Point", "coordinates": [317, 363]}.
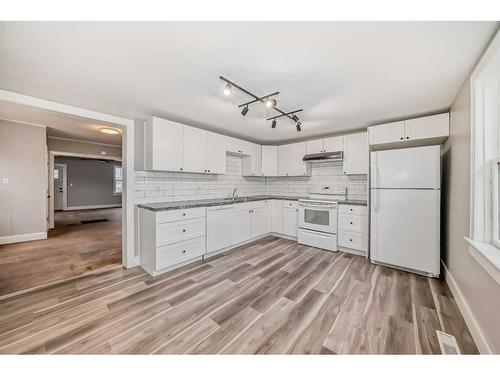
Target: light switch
{"type": "Point", "coordinates": [5, 181]}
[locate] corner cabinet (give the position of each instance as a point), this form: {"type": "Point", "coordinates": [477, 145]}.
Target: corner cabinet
{"type": "Point", "coordinates": [355, 154]}
{"type": "Point", "coordinates": [422, 131]}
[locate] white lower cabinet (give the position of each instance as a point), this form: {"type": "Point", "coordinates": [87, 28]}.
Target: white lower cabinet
{"type": "Point", "coordinates": [171, 238]}
{"type": "Point", "coordinates": [353, 228]}
{"type": "Point", "coordinates": [290, 218]}
{"type": "Point", "coordinates": [276, 216]}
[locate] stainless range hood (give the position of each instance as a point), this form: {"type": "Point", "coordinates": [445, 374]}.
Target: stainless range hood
{"type": "Point", "coordinates": [324, 156]}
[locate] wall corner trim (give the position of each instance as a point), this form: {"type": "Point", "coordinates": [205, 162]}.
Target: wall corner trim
{"type": "Point", "coordinates": [470, 319]}
{"type": "Point", "coordinates": [23, 237]}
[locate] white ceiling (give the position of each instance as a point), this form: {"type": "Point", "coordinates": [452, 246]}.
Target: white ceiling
{"type": "Point", "coordinates": [345, 75]}
{"type": "Point", "coordinates": [59, 125]}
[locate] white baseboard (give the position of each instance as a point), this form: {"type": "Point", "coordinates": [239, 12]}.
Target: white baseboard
{"type": "Point", "coordinates": [470, 319]}
{"type": "Point", "coordinates": [23, 238]}
{"type": "Point", "coordinates": [74, 208]}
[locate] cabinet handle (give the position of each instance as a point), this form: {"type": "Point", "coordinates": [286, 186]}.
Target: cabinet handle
{"type": "Point", "coordinates": [183, 231]}
{"type": "Point", "coordinates": [183, 214]}
{"type": "Point", "coordinates": [350, 223]}
{"type": "Point", "coordinates": [184, 251]}
{"type": "Point", "coordinates": [208, 170]}
{"type": "Point", "coordinates": [407, 137]}
{"type": "Point", "coordinates": [350, 239]}
{"type": "Point", "coordinates": [180, 169]}
{"type": "Point", "coordinates": [401, 138]}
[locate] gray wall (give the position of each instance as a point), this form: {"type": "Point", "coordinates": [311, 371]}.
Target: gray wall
{"type": "Point", "coordinates": [78, 147]}
{"type": "Point", "coordinates": [90, 182]}
{"type": "Point", "coordinates": [23, 162]}
{"type": "Point", "coordinates": [480, 291]}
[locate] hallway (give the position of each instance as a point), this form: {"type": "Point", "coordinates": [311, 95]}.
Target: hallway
{"type": "Point", "coordinates": [71, 249]}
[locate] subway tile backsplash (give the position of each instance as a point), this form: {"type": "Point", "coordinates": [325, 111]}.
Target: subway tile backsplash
{"type": "Point", "coordinates": [151, 187]}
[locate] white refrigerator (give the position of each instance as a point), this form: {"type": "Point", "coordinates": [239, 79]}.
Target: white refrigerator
{"type": "Point", "coordinates": [405, 208]}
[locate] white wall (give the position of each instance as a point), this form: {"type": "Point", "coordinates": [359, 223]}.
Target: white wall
{"type": "Point", "coordinates": [480, 292]}
{"type": "Point", "coordinates": [23, 195]}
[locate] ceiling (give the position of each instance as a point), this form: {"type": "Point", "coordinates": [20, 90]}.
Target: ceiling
{"type": "Point", "coordinates": [346, 75]}
{"type": "Point", "coordinates": [59, 125]}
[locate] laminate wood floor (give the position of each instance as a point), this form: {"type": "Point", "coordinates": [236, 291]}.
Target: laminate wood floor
{"type": "Point", "coordinates": [71, 249]}
{"type": "Point", "coordinates": [270, 296]}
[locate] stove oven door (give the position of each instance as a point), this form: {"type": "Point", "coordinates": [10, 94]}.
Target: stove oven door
{"type": "Point", "coordinates": [322, 218]}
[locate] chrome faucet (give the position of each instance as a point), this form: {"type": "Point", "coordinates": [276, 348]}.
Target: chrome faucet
{"type": "Point", "coordinates": [234, 193]}
{"type": "Point", "coordinates": [346, 193]}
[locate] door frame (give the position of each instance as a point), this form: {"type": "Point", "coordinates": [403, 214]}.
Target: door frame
{"type": "Point", "coordinates": [65, 189]}
{"type": "Point", "coordinates": [52, 164]}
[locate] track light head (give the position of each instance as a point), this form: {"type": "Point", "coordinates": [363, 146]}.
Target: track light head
{"type": "Point", "coordinates": [298, 126]}
{"type": "Point", "coordinates": [273, 124]}
{"type": "Point", "coordinates": [244, 111]}
{"type": "Point", "coordinates": [271, 103]}
{"type": "Point", "coordinates": [295, 118]}
{"type": "Point", "coordinates": [227, 89]}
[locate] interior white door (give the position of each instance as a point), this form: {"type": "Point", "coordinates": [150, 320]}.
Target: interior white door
{"type": "Point", "coordinates": [416, 167]}
{"type": "Point", "coordinates": [405, 228]}
{"type": "Point", "coordinates": [193, 150]}
{"type": "Point", "coordinates": [59, 187]}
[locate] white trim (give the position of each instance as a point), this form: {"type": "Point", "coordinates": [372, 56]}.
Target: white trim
{"type": "Point", "coordinates": [95, 207]}
{"type": "Point", "coordinates": [470, 319]}
{"type": "Point", "coordinates": [78, 140]}
{"type": "Point", "coordinates": [487, 255]}
{"type": "Point", "coordinates": [64, 183]}
{"type": "Point", "coordinates": [85, 156]}
{"type": "Point", "coordinates": [23, 237]}
{"type": "Point", "coordinates": [129, 258]}
{"type": "Point", "coordinates": [23, 122]}
{"type": "Point", "coordinates": [495, 240]}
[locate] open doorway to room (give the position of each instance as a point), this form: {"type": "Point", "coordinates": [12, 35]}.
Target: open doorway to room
{"type": "Point", "coordinates": [77, 207]}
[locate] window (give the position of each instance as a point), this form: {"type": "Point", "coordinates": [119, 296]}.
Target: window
{"type": "Point", "coordinates": [118, 179]}
{"type": "Point", "coordinates": [56, 174]}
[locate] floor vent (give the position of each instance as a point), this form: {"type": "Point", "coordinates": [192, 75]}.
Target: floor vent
{"type": "Point", "coordinates": [447, 343]}
{"type": "Point", "coordinates": [93, 221]}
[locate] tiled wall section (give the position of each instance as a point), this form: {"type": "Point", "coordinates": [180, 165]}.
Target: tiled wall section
{"type": "Point", "coordinates": [153, 187]}
{"type": "Point", "coordinates": [326, 174]}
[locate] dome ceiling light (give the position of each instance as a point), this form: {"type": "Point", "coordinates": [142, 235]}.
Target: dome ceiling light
{"type": "Point", "coordinates": [269, 102]}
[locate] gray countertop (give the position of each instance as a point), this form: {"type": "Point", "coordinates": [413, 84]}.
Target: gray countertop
{"type": "Point", "coordinates": [223, 201]}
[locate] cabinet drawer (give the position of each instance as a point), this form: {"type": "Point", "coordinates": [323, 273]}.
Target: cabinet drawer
{"type": "Point", "coordinates": [167, 256]}
{"type": "Point", "coordinates": [168, 233]}
{"type": "Point", "coordinates": [290, 204]}
{"type": "Point", "coordinates": [352, 210]}
{"type": "Point", "coordinates": [353, 223]}
{"type": "Point", "coordinates": [358, 241]}
{"type": "Point", "coordinates": [181, 214]}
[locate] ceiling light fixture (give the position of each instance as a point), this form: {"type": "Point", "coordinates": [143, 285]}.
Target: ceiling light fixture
{"type": "Point", "coordinates": [109, 131]}
{"type": "Point", "coordinates": [295, 118]}
{"type": "Point", "coordinates": [298, 126]}
{"type": "Point", "coordinates": [273, 124]}
{"type": "Point", "coordinates": [271, 103]}
{"type": "Point", "coordinates": [244, 110]}
{"type": "Point", "coordinates": [227, 90]}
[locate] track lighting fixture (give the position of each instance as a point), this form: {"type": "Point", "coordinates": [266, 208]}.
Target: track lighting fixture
{"type": "Point", "coordinates": [267, 100]}
{"type": "Point", "coordinates": [271, 103]}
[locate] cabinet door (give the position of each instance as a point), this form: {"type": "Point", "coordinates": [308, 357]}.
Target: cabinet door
{"type": "Point", "coordinates": [215, 153]}
{"type": "Point", "coordinates": [258, 222]}
{"type": "Point", "coordinates": [276, 216]}
{"type": "Point", "coordinates": [428, 127]}
{"type": "Point", "coordinates": [163, 144]}
{"type": "Point", "coordinates": [255, 158]}
{"type": "Point", "coordinates": [241, 227]}
{"type": "Point", "coordinates": [387, 133]}
{"type": "Point", "coordinates": [356, 154]}
{"type": "Point", "coordinates": [290, 221]}
{"type": "Point", "coordinates": [333, 144]}
{"type": "Point", "coordinates": [234, 145]}
{"type": "Point", "coordinates": [285, 160]}
{"type": "Point", "coordinates": [315, 146]}
{"type": "Point", "coordinates": [299, 167]}
{"type": "Point", "coordinates": [269, 160]}
{"type": "Point", "coordinates": [193, 149]}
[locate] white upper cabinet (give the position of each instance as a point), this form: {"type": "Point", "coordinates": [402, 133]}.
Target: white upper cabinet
{"type": "Point", "coordinates": [356, 154]}
{"type": "Point", "coordinates": [284, 160]}
{"type": "Point", "coordinates": [215, 153]}
{"type": "Point", "coordinates": [387, 133]}
{"type": "Point", "coordinates": [162, 145]}
{"type": "Point", "coordinates": [333, 144]}
{"type": "Point", "coordinates": [237, 146]}
{"type": "Point", "coordinates": [290, 160]}
{"type": "Point", "coordinates": [315, 146]}
{"type": "Point", "coordinates": [251, 165]}
{"type": "Point", "coordinates": [422, 131]}
{"type": "Point", "coordinates": [428, 127]}
{"type": "Point", "coordinates": [270, 160]}
{"type": "Point", "coordinates": [194, 143]}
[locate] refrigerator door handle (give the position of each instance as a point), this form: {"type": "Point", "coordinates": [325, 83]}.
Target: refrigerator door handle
{"type": "Point", "coordinates": [375, 171]}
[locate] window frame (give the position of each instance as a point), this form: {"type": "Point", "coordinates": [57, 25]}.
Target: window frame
{"type": "Point", "coordinates": [115, 167]}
